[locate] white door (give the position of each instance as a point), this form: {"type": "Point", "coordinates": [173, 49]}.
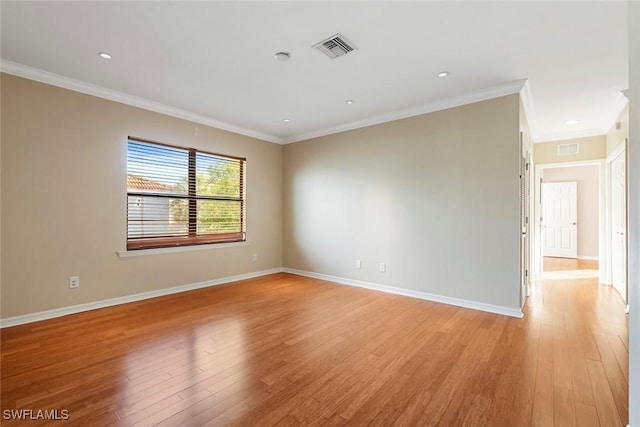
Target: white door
{"type": "Point", "coordinates": [559, 219]}
{"type": "Point", "coordinates": [619, 225]}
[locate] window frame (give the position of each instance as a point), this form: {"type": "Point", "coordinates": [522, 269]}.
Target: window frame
{"type": "Point", "coordinates": [192, 239]}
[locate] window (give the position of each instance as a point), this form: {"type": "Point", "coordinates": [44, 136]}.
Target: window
{"type": "Point", "coordinates": [181, 196]}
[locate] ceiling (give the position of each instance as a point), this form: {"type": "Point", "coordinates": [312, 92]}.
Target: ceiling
{"type": "Point", "coordinates": [213, 62]}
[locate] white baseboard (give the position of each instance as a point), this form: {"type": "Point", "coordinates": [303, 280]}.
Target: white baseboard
{"type": "Point", "coordinates": [496, 309]}
{"type": "Point", "coordinates": [63, 311]}
{"type": "Point", "coordinates": [590, 258]}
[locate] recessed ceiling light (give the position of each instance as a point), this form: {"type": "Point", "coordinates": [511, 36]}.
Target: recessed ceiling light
{"type": "Point", "coordinates": [104, 55]}
{"type": "Point", "coordinates": [282, 56]}
{"type": "Point", "coordinates": [443, 74]}
{"type": "Point", "coordinates": [286, 120]}
{"type": "Point", "coordinates": [350, 101]}
{"type": "Point", "coordinates": [571, 122]}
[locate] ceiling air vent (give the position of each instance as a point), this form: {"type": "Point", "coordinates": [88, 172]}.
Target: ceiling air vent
{"type": "Point", "coordinates": [566, 149]}
{"type": "Point", "coordinates": [335, 46]}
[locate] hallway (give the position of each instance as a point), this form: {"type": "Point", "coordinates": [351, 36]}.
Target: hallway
{"type": "Point", "coordinates": [582, 359]}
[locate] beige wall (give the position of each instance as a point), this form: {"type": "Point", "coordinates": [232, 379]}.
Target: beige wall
{"type": "Point", "coordinates": [587, 179]}
{"type": "Point", "coordinates": [64, 200]}
{"type": "Point", "coordinates": [615, 137]}
{"type": "Point", "coordinates": [435, 197]}
{"type": "Point", "coordinates": [591, 148]}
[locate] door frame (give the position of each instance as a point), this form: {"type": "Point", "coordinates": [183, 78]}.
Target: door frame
{"type": "Point", "coordinates": [621, 149]}
{"type": "Point", "coordinates": [526, 197]}
{"type": "Point", "coordinates": [603, 251]}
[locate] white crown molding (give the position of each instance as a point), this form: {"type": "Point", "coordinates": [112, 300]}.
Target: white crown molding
{"type": "Point", "coordinates": [621, 148]}
{"type": "Point", "coordinates": [443, 104]}
{"type": "Point", "coordinates": [562, 136]}
{"type": "Point", "coordinates": [58, 312]}
{"type": "Point", "coordinates": [529, 111]}
{"type": "Point", "coordinates": [585, 133]}
{"type": "Point", "coordinates": [490, 308]}
{"type": "Point", "coordinates": [31, 73]}
{"type": "Point", "coordinates": [614, 113]}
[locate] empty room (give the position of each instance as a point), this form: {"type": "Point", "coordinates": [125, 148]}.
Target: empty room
{"type": "Point", "coordinates": [320, 213]}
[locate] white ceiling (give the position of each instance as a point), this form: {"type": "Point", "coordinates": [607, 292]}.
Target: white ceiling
{"type": "Point", "coordinates": [213, 61]}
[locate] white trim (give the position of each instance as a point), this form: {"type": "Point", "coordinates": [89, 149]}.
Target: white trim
{"type": "Point", "coordinates": [585, 133]}
{"type": "Point", "coordinates": [482, 95]}
{"type": "Point", "coordinates": [490, 308]}
{"type": "Point", "coordinates": [154, 251]}
{"type": "Point", "coordinates": [607, 255]}
{"type": "Point", "coordinates": [603, 266]}
{"type": "Point", "coordinates": [31, 73]}
{"type": "Point", "coordinates": [561, 136]}
{"type": "Point", "coordinates": [593, 162]}
{"type": "Point", "coordinates": [608, 259]}
{"type": "Point", "coordinates": [589, 258]}
{"type": "Point", "coordinates": [529, 111]}
{"type": "Point", "coordinates": [63, 311]}
{"type": "Point", "coordinates": [621, 148]}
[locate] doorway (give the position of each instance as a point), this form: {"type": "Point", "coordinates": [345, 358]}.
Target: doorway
{"type": "Point", "coordinates": [560, 216]}
{"type": "Point", "coordinates": [569, 221]}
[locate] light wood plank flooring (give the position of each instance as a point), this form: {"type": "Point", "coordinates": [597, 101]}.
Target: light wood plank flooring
{"type": "Point", "coordinates": [564, 264]}
{"type": "Point", "coordinates": [287, 350]}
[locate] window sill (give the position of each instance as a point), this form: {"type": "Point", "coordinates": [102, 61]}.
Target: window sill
{"type": "Point", "coordinates": [154, 251]}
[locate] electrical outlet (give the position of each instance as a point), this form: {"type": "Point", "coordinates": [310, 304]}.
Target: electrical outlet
{"type": "Point", "coordinates": [254, 257]}
{"type": "Point", "coordinates": [74, 282]}
{"type": "Point", "coordinates": [358, 264]}
{"type": "Point", "coordinates": [383, 267]}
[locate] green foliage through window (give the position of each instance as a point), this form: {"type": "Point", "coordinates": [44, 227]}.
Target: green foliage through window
{"type": "Point", "coordinates": [180, 196]}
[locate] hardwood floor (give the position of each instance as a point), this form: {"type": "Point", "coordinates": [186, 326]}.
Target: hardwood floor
{"type": "Point", "coordinates": [289, 350]}
{"type": "Point", "coordinates": [563, 264]}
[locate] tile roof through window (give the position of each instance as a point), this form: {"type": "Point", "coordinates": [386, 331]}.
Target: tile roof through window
{"type": "Point", "coordinates": [135, 182]}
